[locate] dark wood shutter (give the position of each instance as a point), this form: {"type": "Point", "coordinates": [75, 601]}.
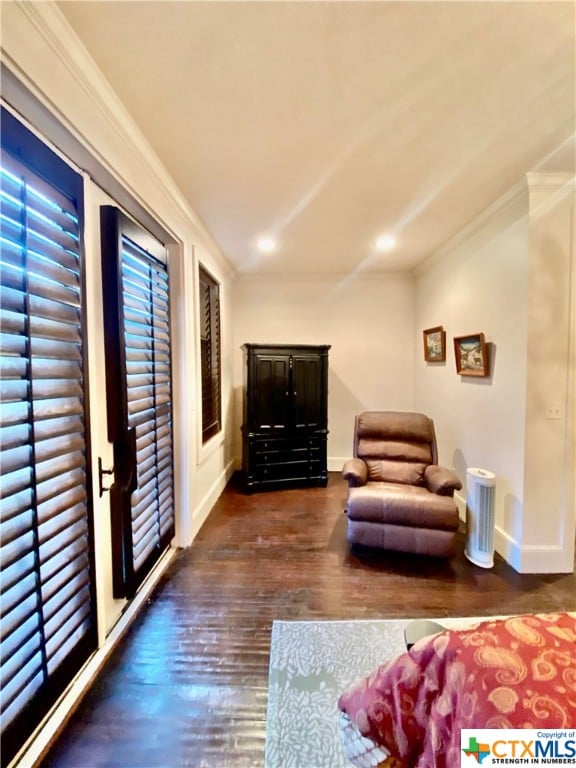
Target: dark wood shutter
{"type": "Point", "coordinates": [210, 355]}
{"type": "Point", "coordinates": [47, 596]}
{"type": "Point", "coordinates": [138, 375]}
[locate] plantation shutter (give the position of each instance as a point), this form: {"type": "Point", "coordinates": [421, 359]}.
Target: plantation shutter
{"type": "Point", "coordinates": [139, 387]}
{"type": "Point", "coordinates": [48, 609]}
{"type": "Point", "coordinates": [210, 355]}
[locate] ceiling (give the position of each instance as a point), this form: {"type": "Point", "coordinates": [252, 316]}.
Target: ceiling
{"type": "Point", "coordinates": [326, 124]}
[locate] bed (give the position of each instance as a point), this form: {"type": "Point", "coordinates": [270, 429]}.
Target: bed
{"type": "Point", "coordinates": [515, 672]}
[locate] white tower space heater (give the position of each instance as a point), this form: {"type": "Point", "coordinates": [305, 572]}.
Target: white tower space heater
{"type": "Point", "coordinates": [480, 522]}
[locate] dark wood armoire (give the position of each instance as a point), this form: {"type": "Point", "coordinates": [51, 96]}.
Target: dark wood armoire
{"type": "Point", "coordinates": [285, 424]}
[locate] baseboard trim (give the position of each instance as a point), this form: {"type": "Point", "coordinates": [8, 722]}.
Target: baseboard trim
{"type": "Point", "coordinates": [209, 499]}
{"type": "Point", "coordinates": [336, 464]}
{"type": "Point", "coordinates": [529, 559]}
{"type": "Point", "coordinates": [523, 559]}
{"type": "Point", "coordinates": [537, 559]}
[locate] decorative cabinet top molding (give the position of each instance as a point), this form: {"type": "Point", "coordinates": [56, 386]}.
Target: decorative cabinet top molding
{"type": "Point", "coordinates": [287, 347]}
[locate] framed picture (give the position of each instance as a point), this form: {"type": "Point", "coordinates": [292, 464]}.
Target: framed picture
{"type": "Point", "coordinates": [471, 355]}
{"type": "Point", "coordinates": [434, 344]}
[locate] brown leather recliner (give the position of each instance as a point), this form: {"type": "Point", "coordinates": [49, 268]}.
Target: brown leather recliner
{"type": "Point", "coordinates": [398, 497]}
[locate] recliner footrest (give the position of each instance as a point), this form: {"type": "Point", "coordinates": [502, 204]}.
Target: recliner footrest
{"type": "Point", "coordinates": [402, 538]}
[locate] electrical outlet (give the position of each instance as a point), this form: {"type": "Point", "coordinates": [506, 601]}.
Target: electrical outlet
{"type": "Point", "coordinates": [553, 412]}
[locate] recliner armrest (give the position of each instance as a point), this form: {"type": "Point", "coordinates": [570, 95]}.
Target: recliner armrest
{"type": "Point", "coordinates": [441, 480]}
{"type": "Point", "coordinates": [356, 472]}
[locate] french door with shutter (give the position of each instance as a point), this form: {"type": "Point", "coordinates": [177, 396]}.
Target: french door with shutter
{"type": "Point", "coordinates": [138, 384]}
{"type": "Point", "coordinates": [48, 626]}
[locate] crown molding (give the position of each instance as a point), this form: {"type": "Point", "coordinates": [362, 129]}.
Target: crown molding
{"type": "Point", "coordinates": [549, 190]}
{"type": "Point", "coordinates": [58, 35]}
{"type": "Point", "coordinates": [508, 199]}
{"type": "Point", "coordinates": [319, 277]}
{"type": "Point", "coordinates": [550, 179]}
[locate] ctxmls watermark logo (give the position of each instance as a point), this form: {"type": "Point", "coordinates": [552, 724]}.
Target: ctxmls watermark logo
{"type": "Point", "coordinates": [517, 747]}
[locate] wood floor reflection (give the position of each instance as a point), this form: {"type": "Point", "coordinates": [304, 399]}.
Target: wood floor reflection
{"type": "Point", "coordinates": [187, 685]}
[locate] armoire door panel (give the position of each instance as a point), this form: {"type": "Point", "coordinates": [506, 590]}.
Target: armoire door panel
{"type": "Point", "coordinates": [272, 382]}
{"type": "Point", "coordinates": [307, 392]}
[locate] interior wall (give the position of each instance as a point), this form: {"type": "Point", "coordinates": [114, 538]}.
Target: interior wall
{"type": "Point", "coordinates": [367, 320]}
{"type": "Point", "coordinates": [479, 283]}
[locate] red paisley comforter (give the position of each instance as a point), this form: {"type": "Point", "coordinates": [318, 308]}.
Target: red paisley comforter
{"type": "Point", "coordinates": [510, 673]}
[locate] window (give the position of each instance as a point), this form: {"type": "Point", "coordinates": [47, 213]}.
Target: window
{"type": "Point", "coordinates": [210, 354]}
{"type": "Point", "coordinates": [47, 588]}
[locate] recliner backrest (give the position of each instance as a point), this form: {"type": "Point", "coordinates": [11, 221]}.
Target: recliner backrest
{"type": "Point", "coordinates": [397, 446]}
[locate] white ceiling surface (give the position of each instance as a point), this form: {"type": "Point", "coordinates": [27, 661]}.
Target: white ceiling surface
{"type": "Point", "coordinates": [326, 124]}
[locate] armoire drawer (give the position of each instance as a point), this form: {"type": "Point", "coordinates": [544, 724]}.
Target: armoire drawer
{"type": "Point", "coordinates": [287, 471]}
{"type": "Point", "coordinates": [277, 451]}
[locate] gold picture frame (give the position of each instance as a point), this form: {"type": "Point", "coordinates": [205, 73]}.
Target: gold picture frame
{"type": "Point", "coordinates": [434, 344]}
{"type": "Point", "coordinates": [471, 355]}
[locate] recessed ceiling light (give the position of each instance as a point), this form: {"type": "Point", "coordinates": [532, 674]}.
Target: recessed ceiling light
{"type": "Point", "coordinates": [385, 243]}
{"type": "Point", "coordinates": [266, 244]}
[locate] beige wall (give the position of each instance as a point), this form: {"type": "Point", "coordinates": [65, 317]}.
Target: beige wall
{"type": "Point", "coordinates": [510, 276]}
{"type": "Point", "coordinates": [480, 284]}
{"type": "Point", "coordinates": [369, 323]}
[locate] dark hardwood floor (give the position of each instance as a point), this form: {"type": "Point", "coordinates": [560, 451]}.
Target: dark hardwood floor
{"type": "Point", "coordinates": [187, 684]}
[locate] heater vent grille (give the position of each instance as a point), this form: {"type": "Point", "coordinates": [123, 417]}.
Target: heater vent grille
{"type": "Point", "coordinates": [480, 517]}
{"type": "Point", "coordinates": [485, 512]}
